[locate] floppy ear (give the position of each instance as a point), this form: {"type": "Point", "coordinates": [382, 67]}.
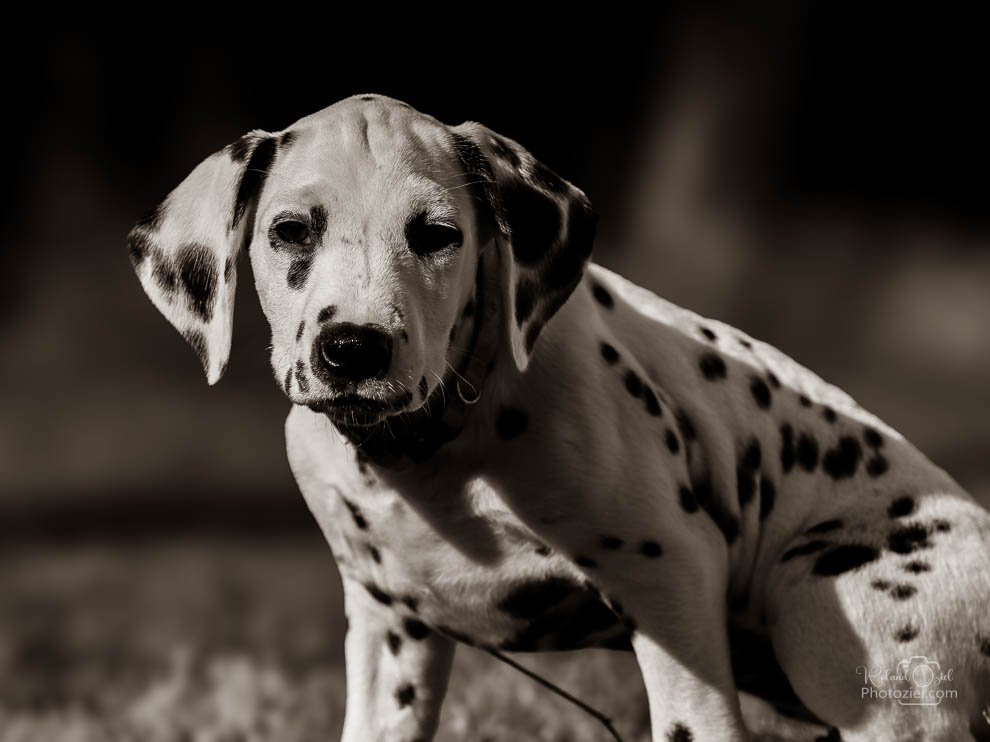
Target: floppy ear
{"type": "Point", "coordinates": [545, 227]}
{"type": "Point", "coordinates": [185, 249]}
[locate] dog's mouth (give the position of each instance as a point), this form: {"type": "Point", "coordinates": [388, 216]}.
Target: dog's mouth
{"type": "Point", "coordinates": [356, 410]}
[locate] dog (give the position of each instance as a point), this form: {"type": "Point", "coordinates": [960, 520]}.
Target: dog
{"type": "Point", "coordinates": [508, 446]}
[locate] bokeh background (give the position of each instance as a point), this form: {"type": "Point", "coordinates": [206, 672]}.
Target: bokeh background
{"type": "Point", "coordinates": [815, 174]}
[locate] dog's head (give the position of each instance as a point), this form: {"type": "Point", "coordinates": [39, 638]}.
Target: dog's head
{"type": "Point", "coordinates": [365, 224]}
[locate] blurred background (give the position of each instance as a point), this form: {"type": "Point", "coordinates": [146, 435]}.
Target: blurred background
{"type": "Point", "coordinates": [815, 174]}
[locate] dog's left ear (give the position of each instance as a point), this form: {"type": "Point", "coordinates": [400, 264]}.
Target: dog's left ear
{"type": "Point", "coordinates": [545, 227]}
{"type": "Point", "coordinates": [185, 250]}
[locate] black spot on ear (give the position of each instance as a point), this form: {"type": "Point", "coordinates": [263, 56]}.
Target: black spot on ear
{"type": "Point", "coordinates": [228, 270]}
{"type": "Point", "coordinates": [163, 273]}
{"type": "Point", "coordinates": [510, 422]}
{"type": "Point", "coordinates": [405, 695]}
{"type": "Point", "coordinates": [534, 219]}
{"type": "Point", "coordinates": [788, 453]}
{"type": "Point", "coordinates": [198, 342]}
{"type": "Point", "coordinates": [685, 425]}
{"type": "Point", "coordinates": [584, 561]}
{"type": "Point", "coordinates": [917, 567]}
{"type": "Point", "coordinates": [805, 402]}
{"type": "Point", "coordinates": [761, 393]}
{"type": "Point", "coordinates": [138, 247]}
{"type": "Point", "coordinates": [903, 592]}
{"type": "Point", "coordinates": [906, 634]}
{"type": "Point", "coordinates": [300, 331]}
{"type": "Point", "coordinates": [530, 599]}
{"type": "Point", "coordinates": [602, 295]}
{"type": "Point", "coordinates": [844, 558]}
{"type": "Point", "coordinates": [712, 366]}
{"type": "Point", "coordinates": [375, 554]}
{"type": "Point", "coordinates": [804, 549]}
{"type": "Point", "coordinates": [768, 496]}
{"type": "Point", "coordinates": [900, 507]}
{"type": "Point", "coordinates": [287, 384]}
{"type": "Point", "coordinates": [873, 438]}
{"type": "Point", "coordinates": [807, 452]}
{"type": "Point", "coordinates": [394, 642]}
{"type": "Point", "coordinates": [829, 414]}
{"type": "Point", "coordinates": [877, 466]}
{"type": "Point", "coordinates": [908, 539]}
{"type": "Point", "coordinates": [378, 594]}
{"type": "Point", "coordinates": [326, 314]}
{"type": "Point", "coordinates": [670, 437]}
{"type": "Point", "coordinates": [298, 272]}
{"type": "Point", "coordinates": [679, 733]}
{"type": "Point", "coordinates": [841, 462]}
{"type": "Point", "coordinates": [650, 549]}
{"type": "Point", "coordinates": [825, 526]}
{"type": "Point", "coordinates": [708, 334]}
{"type": "Point", "coordinates": [633, 384]}
{"type": "Point", "coordinates": [253, 178]}
{"type": "Point", "coordinates": [416, 629]}
{"type": "Point", "coordinates": [686, 496]}
{"type": "Point", "coordinates": [526, 292]}
{"type": "Point", "coordinates": [286, 139]}
{"type": "Point", "coordinates": [610, 542]}
{"type": "Point", "coordinates": [359, 519]}
{"type": "Point", "coordinates": [198, 273]}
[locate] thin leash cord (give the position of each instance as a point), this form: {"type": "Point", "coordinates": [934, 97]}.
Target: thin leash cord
{"type": "Point", "coordinates": [605, 721]}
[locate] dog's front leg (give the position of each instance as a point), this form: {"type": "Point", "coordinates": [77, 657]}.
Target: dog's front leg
{"type": "Point", "coordinates": [397, 672]}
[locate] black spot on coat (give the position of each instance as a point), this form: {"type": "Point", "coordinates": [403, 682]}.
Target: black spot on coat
{"type": "Point", "coordinates": [609, 353]}
{"type": "Point", "coordinates": [807, 452]}
{"type": "Point", "coordinates": [633, 384]}
{"type": "Point", "coordinates": [670, 437]}
{"type": "Point", "coordinates": [906, 634]}
{"type": "Point", "coordinates": [610, 542]}
{"type": "Point", "coordinates": [416, 629]}
{"type": "Point", "coordinates": [298, 272]}
{"type": "Point", "coordinates": [326, 314]}
{"type": "Point", "coordinates": [768, 496]}
{"type": "Point", "coordinates": [908, 539]}
{"type": "Point", "coordinates": [405, 695]}
{"type": "Point", "coordinates": [877, 466]}
{"type": "Point", "coordinates": [708, 333]}
{"type": "Point", "coordinates": [903, 592]}
{"type": "Point", "coordinates": [844, 558]}
{"type": "Point", "coordinates": [901, 506]}
{"type": "Point", "coordinates": [873, 438]}
{"type": "Point", "coordinates": [602, 295]}
{"type": "Point", "coordinates": [841, 462]}
{"type": "Point", "coordinates": [688, 503]}
{"type": "Point", "coordinates": [378, 594]}
{"type": "Point", "coordinates": [394, 642]}
{"type": "Point", "coordinates": [712, 366]}
{"type": "Point", "coordinates": [359, 519]}
{"type": "Point", "coordinates": [788, 453]}
{"type": "Point", "coordinates": [679, 733]}
{"type": "Point", "coordinates": [825, 526]}
{"type": "Point", "coordinates": [761, 393]}
{"type": "Point", "coordinates": [652, 404]}
{"type": "Point", "coordinates": [510, 422]}
{"type": "Point", "coordinates": [650, 549]}
{"type": "Point", "coordinates": [917, 567]}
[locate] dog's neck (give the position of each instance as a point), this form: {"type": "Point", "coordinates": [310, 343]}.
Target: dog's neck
{"type": "Point", "coordinates": [404, 440]}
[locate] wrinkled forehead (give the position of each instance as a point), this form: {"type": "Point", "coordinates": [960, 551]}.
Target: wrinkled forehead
{"type": "Point", "coordinates": [365, 153]}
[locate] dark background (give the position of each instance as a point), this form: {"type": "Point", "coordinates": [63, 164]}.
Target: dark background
{"type": "Point", "coordinates": [814, 174]}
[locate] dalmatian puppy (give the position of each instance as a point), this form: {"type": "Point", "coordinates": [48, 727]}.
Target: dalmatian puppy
{"type": "Point", "coordinates": [509, 447]}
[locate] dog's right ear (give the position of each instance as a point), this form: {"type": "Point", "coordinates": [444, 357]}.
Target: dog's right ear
{"type": "Point", "coordinates": [185, 249]}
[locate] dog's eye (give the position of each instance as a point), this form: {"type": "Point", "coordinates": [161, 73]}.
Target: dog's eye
{"type": "Point", "coordinates": [425, 238]}
{"type": "Point", "coordinates": [295, 233]}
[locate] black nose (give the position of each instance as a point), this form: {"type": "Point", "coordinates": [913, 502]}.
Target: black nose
{"type": "Point", "coordinates": [352, 352]}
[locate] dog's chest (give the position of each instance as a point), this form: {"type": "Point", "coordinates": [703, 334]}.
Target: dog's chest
{"type": "Point", "coordinates": [458, 562]}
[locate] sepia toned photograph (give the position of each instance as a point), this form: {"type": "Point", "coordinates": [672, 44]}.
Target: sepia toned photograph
{"type": "Point", "coordinates": [591, 377]}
